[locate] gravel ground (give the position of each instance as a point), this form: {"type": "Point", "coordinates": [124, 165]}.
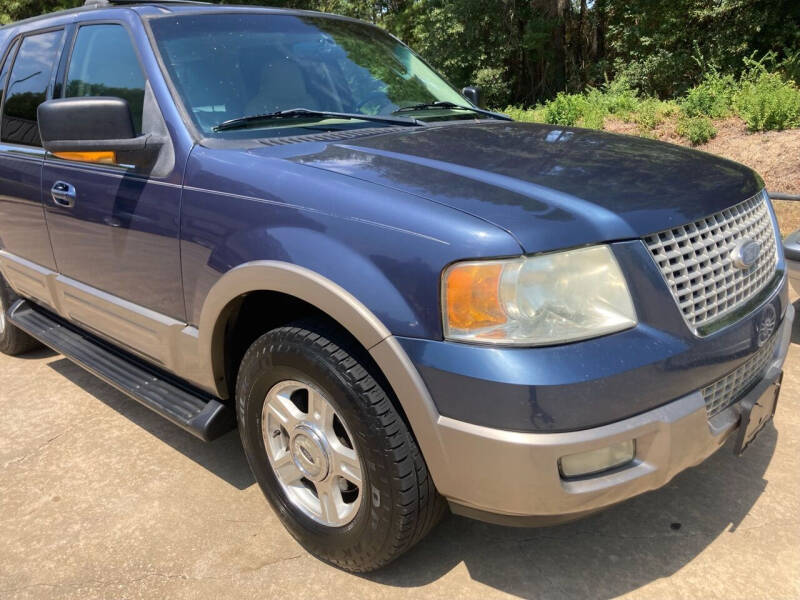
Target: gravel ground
{"type": "Point", "coordinates": [102, 499]}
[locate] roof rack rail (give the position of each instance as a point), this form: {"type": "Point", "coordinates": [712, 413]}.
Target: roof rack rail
{"type": "Point", "coordinates": [100, 3]}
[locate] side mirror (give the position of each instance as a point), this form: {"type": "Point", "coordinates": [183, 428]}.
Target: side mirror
{"type": "Point", "coordinates": [473, 94]}
{"type": "Point", "coordinates": [101, 126]}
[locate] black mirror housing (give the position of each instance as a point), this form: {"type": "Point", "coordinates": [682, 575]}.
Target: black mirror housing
{"type": "Point", "coordinates": [473, 94]}
{"type": "Point", "coordinates": [93, 124]}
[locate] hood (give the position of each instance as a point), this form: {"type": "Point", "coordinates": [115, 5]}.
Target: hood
{"type": "Point", "coordinates": [549, 186]}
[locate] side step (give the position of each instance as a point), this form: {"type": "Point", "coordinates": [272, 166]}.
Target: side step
{"type": "Point", "coordinates": [200, 415]}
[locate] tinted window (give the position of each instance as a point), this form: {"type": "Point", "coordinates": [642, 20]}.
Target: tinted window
{"type": "Point", "coordinates": [104, 63]}
{"type": "Point", "coordinates": [4, 70]}
{"type": "Point", "coordinates": [27, 87]}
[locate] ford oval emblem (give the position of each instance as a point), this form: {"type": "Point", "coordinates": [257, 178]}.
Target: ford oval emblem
{"type": "Point", "coordinates": [765, 325]}
{"type": "Point", "coordinates": [745, 253]}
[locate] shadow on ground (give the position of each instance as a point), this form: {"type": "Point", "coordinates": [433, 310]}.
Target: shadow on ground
{"type": "Point", "coordinates": [38, 353]}
{"type": "Point", "coordinates": [223, 457]}
{"type": "Point", "coordinates": [603, 556]}
{"type": "Point", "coordinates": [608, 554]}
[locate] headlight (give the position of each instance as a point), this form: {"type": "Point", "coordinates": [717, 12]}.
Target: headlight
{"type": "Point", "coordinates": [537, 300]}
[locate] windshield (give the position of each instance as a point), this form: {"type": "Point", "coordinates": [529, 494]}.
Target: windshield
{"type": "Point", "coordinates": [231, 65]}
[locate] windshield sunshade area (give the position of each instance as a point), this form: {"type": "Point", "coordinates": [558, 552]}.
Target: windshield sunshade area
{"type": "Point", "coordinates": [245, 64]}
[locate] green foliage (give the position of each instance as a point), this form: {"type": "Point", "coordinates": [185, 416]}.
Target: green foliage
{"type": "Point", "coordinates": [665, 47]}
{"type": "Point", "coordinates": [713, 97]}
{"type": "Point", "coordinates": [767, 101]}
{"type": "Point", "coordinates": [526, 115]}
{"type": "Point", "coordinates": [14, 10]}
{"type": "Point", "coordinates": [618, 97]}
{"type": "Point", "coordinates": [763, 98]}
{"type": "Point", "coordinates": [614, 53]}
{"type": "Point", "coordinates": [656, 73]}
{"type": "Point", "coordinates": [594, 116]}
{"type": "Point", "coordinates": [592, 107]}
{"type": "Point", "coordinates": [652, 112]}
{"type": "Point", "coordinates": [494, 83]}
{"type": "Point", "coordinates": [565, 109]}
{"type": "Point", "coordinates": [698, 130]}
{"type": "Point", "coordinates": [790, 66]}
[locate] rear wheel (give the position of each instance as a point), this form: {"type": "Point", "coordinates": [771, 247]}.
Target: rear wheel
{"type": "Point", "coordinates": [330, 451]}
{"type": "Point", "coordinates": [13, 341]}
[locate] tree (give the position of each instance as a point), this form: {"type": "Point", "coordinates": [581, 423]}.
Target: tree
{"type": "Point", "coordinates": [525, 51]}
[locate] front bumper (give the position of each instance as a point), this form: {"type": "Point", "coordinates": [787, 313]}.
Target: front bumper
{"type": "Point", "coordinates": [509, 477]}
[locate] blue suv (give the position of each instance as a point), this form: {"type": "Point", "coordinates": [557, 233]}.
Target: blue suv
{"type": "Point", "coordinates": [289, 222]}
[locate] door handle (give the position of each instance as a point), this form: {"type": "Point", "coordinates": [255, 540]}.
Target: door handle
{"type": "Point", "coordinates": [64, 194]}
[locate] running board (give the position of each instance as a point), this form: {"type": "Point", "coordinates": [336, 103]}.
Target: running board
{"type": "Point", "coordinates": [203, 416]}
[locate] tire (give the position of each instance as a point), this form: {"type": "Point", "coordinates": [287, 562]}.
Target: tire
{"type": "Point", "coordinates": [401, 504]}
{"type": "Point", "coordinates": [13, 341]}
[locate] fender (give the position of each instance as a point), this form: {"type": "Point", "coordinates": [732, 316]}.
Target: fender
{"type": "Point", "coordinates": [348, 311]}
{"type": "Point", "coordinates": [287, 278]}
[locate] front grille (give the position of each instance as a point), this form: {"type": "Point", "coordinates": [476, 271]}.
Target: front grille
{"type": "Point", "coordinates": [728, 389]}
{"type": "Point", "coordinates": [696, 262]}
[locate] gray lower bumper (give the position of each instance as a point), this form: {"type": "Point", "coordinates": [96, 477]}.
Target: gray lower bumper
{"type": "Point", "coordinates": [515, 475]}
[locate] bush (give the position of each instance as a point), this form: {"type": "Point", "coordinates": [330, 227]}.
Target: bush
{"type": "Point", "coordinates": [766, 101]}
{"type": "Point", "coordinates": [698, 130]}
{"type": "Point", "coordinates": [594, 116]}
{"type": "Point", "coordinates": [712, 98]}
{"type": "Point", "coordinates": [763, 98]}
{"type": "Point", "coordinates": [565, 109]}
{"type": "Point", "coordinates": [590, 109]}
{"type": "Point", "coordinates": [652, 112]}
{"type": "Point", "coordinates": [526, 115]}
{"type": "Point", "coordinates": [618, 97]}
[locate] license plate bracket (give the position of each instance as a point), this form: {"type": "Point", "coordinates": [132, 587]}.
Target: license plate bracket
{"type": "Point", "coordinates": [756, 413]}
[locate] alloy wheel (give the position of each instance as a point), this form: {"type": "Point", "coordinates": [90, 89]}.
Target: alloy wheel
{"type": "Point", "coordinates": [312, 453]}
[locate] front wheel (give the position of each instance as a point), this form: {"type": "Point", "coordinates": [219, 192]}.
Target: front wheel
{"type": "Point", "coordinates": [330, 451]}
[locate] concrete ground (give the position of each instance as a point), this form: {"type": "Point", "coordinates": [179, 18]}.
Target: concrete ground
{"type": "Point", "coordinates": [100, 498]}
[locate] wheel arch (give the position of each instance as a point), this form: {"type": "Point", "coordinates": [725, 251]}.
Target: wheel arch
{"type": "Point", "coordinates": [333, 301]}
{"type": "Point", "coordinates": [300, 283]}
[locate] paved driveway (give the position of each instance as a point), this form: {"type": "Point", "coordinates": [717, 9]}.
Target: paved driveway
{"type": "Point", "coordinates": [101, 498]}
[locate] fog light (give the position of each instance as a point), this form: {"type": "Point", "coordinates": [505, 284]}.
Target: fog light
{"type": "Point", "coordinates": [597, 461]}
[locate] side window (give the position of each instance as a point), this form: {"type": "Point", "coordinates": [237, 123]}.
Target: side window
{"type": "Point", "coordinates": [27, 87]}
{"type": "Point", "coordinates": [104, 63]}
{"type": "Point", "coordinates": [5, 68]}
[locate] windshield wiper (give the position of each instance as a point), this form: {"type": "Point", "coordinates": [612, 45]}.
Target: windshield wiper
{"type": "Point", "coordinates": [452, 106]}
{"type": "Point", "coordinates": [299, 113]}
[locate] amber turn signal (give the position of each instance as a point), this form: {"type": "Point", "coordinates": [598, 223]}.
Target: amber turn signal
{"type": "Point", "coordinates": [472, 296]}
{"type": "Point", "coordinates": [105, 158]}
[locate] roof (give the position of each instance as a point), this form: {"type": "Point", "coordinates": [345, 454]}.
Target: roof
{"type": "Point", "coordinates": [166, 6]}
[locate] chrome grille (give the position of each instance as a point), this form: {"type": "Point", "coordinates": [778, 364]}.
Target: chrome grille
{"type": "Point", "coordinates": [697, 265]}
{"type": "Point", "coordinates": [727, 390]}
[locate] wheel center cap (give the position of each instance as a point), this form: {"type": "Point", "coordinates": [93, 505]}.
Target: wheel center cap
{"type": "Point", "coordinates": [308, 453]}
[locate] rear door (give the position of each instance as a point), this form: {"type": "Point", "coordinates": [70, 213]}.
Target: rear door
{"type": "Point", "coordinates": [26, 77]}
{"type": "Point", "coordinates": [116, 242]}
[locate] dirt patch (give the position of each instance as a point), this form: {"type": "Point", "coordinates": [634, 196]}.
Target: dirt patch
{"type": "Point", "coordinates": [775, 155]}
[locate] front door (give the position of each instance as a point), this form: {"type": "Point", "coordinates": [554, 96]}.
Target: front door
{"type": "Point", "coordinates": [115, 230]}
